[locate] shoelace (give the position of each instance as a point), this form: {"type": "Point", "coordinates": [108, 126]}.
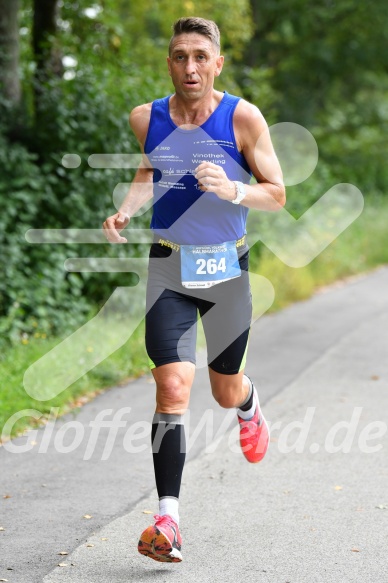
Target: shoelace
{"type": "Point", "coordinates": [164, 520]}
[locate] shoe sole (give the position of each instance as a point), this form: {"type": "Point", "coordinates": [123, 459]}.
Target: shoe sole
{"type": "Point", "coordinates": [155, 545]}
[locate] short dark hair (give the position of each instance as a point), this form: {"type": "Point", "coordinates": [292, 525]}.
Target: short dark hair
{"type": "Point", "coordinates": [202, 26]}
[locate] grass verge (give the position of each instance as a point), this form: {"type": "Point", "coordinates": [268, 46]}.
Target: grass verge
{"type": "Point", "coordinates": [361, 247]}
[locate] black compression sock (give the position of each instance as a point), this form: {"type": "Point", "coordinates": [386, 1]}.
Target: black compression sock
{"type": "Point", "coordinates": [247, 404]}
{"type": "Point", "coordinates": [169, 453]}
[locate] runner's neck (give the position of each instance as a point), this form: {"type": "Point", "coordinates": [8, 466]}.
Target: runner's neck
{"type": "Point", "coordinates": [191, 114]}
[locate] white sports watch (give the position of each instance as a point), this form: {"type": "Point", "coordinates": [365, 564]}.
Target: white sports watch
{"type": "Point", "coordinates": [240, 192]}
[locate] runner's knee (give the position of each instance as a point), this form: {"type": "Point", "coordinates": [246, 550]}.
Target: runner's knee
{"type": "Point", "coordinates": [172, 393]}
{"type": "Point", "coordinates": [228, 395]}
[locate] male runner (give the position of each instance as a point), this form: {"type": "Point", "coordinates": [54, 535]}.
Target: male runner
{"type": "Point", "coordinates": [201, 148]}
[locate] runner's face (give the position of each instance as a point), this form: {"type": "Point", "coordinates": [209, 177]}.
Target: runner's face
{"type": "Point", "coordinates": [193, 65]}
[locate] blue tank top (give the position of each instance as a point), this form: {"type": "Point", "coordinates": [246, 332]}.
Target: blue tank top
{"type": "Point", "coordinates": [181, 212]}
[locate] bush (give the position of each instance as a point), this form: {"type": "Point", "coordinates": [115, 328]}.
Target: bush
{"type": "Point", "coordinates": [37, 192]}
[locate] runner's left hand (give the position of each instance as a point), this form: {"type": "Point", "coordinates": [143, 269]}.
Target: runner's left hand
{"type": "Point", "coordinates": [212, 178]}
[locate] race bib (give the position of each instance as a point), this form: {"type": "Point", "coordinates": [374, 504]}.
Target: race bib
{"type": "Point", "coordinates": [205, 265]}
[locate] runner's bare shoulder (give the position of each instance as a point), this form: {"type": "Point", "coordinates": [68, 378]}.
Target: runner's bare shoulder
{"type": "Point", "coordinates": [247, 112]}
{"type": "Point", "coordinates": [248, 124]}
{"type": "Point", "coordinates": [139, 120]}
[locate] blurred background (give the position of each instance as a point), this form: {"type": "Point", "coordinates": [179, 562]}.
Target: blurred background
{"type": "Point", "coordinates": [70, 73]}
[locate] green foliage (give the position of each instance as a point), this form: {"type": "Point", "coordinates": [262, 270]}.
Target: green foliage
{"type": "Point", "coordinates": [352, 134]}
{"type": "Point", "coordinates": [37, 192]}
{"type": "Point", "coordinates": [361, 247]}
{"type": "Point", "coordinates": [32, 284]}
{"type": "Point", "coordinates": [329, 74]}
{"type": "Point", "coordinates": [148, 24]}
{"type": "Point", "coordinates": [256, 85]}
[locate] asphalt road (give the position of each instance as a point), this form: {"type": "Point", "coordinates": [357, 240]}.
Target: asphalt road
{"type": "Point", "coordinates": [316, 509]}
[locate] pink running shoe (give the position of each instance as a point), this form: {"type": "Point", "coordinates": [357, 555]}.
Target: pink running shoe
{"type": "Point", "coordinates": [161, 541]}
{"type": "Point", "coordinates": [254, 434]}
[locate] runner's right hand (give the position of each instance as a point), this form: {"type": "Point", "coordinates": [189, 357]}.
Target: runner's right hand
{"type": "Point", "coordinates": [114, 225]}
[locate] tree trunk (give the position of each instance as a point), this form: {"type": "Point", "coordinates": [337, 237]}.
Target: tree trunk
{"type": "Point", "coordinates": [48, 60]}
{"type": "Point", "coordinates": [9, 51]}
{"type": "Point", "coordinates": [252, 54]}
{"type": "Point", "coordinates": [46, 49]}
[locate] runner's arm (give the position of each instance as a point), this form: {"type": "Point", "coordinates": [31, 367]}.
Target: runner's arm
{"type": "Point", "coordinates": [254, 139]}
{"type": "Point", "coordinates": [141, 189]}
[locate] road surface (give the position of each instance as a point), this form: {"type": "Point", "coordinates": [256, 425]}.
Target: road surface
{"type": "Point", "coordinates": [315, 509]}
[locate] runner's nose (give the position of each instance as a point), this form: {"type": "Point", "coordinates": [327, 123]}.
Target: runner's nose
{"type": "Point", "coordinates": [190, 66]}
